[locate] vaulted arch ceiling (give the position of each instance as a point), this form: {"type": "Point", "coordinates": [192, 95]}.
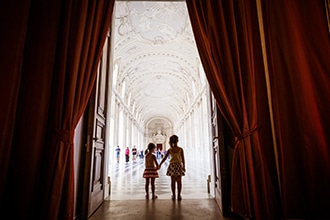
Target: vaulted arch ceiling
{"type": "Point", "coordinates": [157, 58]}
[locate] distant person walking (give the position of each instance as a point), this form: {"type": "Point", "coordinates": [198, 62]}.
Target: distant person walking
{"type": "Point", "coordinates": [176, 168]}
{"type": "Point", "coordinates": [134, 152]}
{"type": "Point", "coordinates": [150, 172]}
{"type": "Point", "coordinates": [118, 153]}
{"type": "Point", "coordinates": [127, 154]}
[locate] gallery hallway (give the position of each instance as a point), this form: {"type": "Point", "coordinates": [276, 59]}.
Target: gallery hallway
{"type": "Point", "coordinates": [127, 199]}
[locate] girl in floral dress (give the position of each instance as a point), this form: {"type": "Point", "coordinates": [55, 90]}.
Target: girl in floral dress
{"type": "Point", "coordinates": [176, 168]}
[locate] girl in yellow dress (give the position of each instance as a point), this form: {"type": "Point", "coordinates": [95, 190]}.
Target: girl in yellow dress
{"type": "Point", "coordinates": [176, 168]}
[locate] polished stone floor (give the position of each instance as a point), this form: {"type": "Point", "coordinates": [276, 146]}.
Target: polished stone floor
{"type": "Point", "coordinates": [127, 197]}
{"type": "Point", "coordinates": [127, 182]}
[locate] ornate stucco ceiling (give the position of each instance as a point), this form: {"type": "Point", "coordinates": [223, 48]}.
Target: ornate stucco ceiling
{"type": "Point", "coordinates": [157, 58]}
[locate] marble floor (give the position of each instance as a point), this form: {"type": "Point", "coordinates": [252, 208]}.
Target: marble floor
{"type": "Point", "coordinates": [127, 196]}
{"type": "Point", "coordinates": [127, 182]}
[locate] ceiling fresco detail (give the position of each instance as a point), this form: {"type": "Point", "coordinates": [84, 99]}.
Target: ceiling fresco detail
{"type": "Point", "coordinates": [157, 59]}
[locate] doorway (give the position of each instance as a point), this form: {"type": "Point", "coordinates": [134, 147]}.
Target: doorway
{"type": "Point", "coordinates": [158, 85]}
{"type": "Point", "coordinates": [148, 82]}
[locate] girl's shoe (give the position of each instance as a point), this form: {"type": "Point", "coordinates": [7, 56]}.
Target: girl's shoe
{"type": "Point", "coordinates": [173, 197]}
{"type": "Point", "coordinates": [179, 198]}
{"type": "Point", "coordinates": [154, 197]}
{"type": "Point", "coordinates": [147, 196]}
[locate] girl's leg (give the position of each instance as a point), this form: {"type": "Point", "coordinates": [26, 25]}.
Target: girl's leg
{"type": "Point", "coordinates": [179, 187]}
{"type": "Point", "coordinates": [173, 179]}
{"type": "Point", "coordinates": [147, 188]}
{"type": "Point", "coordinates": [153, 188]}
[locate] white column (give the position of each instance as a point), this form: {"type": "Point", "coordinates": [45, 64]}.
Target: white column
{"type": "Point", "coordinates": [115, 127]}
{"type": "Point", "coordinates": [129, 130]}
{"type": "Point", "coordinates": [121, 129]}
{"type": "Point", "coordinates": [207, 126]}
{"type": "Point", "coordinates": [197, 123]}
{"type": "Point", "coordinates": [126, 133]}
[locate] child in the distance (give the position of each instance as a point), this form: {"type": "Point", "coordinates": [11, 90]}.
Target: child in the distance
{"type": "Point", "coordinates": [150, 172]}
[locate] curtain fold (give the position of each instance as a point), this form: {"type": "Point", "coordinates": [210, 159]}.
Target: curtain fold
{"type": "Point", "coordinates": [30, 24]}
{"type": "Point", "coordinates": [85, 27]}
{"type": "Point", "coordinates": [298, 48]}
{"type": "Point", "coordinates": [50, 73]}
{"type": "Point", "coordinates": [11, 64]}
{"type": "Point", "coordinates": [228, 42]}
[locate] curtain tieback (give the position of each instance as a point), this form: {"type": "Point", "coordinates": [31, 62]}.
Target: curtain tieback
{"type": "Point", "coordinates": [248, 133]}
{"type": "Point", "coordinates": [64, 135]}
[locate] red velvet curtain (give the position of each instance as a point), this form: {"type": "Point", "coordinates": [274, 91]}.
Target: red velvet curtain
{"type": "Point", "coordinates": [49, 57]}
{"type": "Point", "coordinates": [298, 49]}
{"type": "Point", "coordinates": [228, 39]}
{"type": "Point", "coordinates": [226, 34]}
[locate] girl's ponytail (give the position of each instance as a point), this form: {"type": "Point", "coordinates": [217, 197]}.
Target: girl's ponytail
{"type": "Point", "coordinates": [150, 147]}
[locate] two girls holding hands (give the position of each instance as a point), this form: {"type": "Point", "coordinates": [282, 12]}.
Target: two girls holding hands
{"type": "Point", "coordinates": [176, 168]}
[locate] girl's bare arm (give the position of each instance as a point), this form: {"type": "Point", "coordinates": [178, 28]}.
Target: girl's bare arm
{"type": "Point", "coordinates": [163, 160]}
{"type": "Point", "coordinates": [183, 160]}
{"type": "Point", "coordinates": [155, 160]}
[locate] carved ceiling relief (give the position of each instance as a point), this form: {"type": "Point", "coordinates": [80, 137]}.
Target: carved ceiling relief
{"type": "Point", "coordinates": [157, 52]}
{"type": "Point", "coordinates": [157, 23]}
